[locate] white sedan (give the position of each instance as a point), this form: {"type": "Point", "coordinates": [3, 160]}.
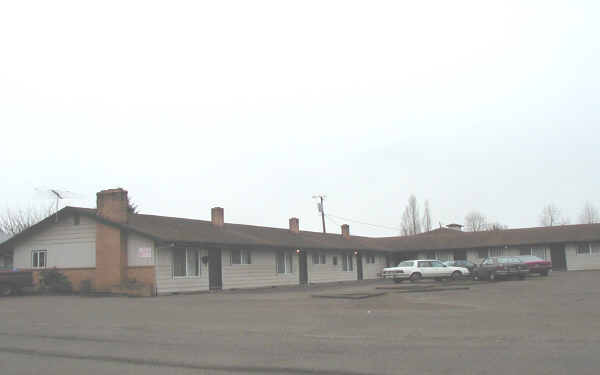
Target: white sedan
{"type": "Point", "coordinates": [414, 270]}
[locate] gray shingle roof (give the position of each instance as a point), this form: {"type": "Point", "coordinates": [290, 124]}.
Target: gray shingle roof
{"type": "Point", "coordinates": [189, 231]}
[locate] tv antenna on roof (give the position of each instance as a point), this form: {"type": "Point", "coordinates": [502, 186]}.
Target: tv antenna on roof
{"type": "Point", "coordinates": [57, 195]}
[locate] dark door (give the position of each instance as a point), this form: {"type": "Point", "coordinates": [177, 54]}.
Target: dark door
{"type": "Point", "coordinates": [558, 258]}
{"type": "Point", "coordinates": [460, 254]}
{"type": "Point", "coordinates": [215, 276]}
{"type": "Point", "coordinates": [359, 268]}
{"type": "Point", "coordinates": [302, 268]}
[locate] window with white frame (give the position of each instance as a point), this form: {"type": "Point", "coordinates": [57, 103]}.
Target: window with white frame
{"type": "Point", "coordinates": [524, 251]}
{"type": "Point", "coordinates": [315, 258]}
{"type": "Point", "coordinates": [496, 251]}
{"type": "Point", "coordinates": [323, 259]}
{"type": "Point", "coordinates": [334, 260]}
{"type": "Point", "coordinates": [284, 262]}
{"type": "Point", "coordinates": [370, 259]}
{"type": "Point", "coordinates": [595, 248]}
{"type": "Point", "coordinates": [583, 249]}
{"type": "Point", "coordinates": [347, 264]}
{"type": "Point", "coordinates": [240, 256]}
{"type": "Point", "coordinates": [539, 252]}
{"type": "Point", "coordinates": [186, 263]}
{"type": "Point", "coordinates": [39, 258]}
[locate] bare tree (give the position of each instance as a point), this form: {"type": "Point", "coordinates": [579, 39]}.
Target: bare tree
{"type": "Point", "coordinates": [475, 221]}
{"type": "Point", "coordinates": [411, 219]}
{"type": "Point", "coordinates": [426, 218]}
{"type": "Point", "coordinates": [589, 214]}
{"type": "Point", "coordinates": [132, 207]}
{"type": "Point", "coordinates": [493, 227]}
{"type": "Point", "coordinates": [13, 222]}
{"type": "Point", "coordinates": [551, 216]}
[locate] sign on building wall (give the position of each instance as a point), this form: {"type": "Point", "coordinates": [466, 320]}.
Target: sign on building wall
{"type": "Point", "coordinates": [144, 252]}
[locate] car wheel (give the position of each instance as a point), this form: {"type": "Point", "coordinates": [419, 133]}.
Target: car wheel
{"type": "Point", "coordinates": [397, 281]}
{"type": "Point", "coordinates": [492, 276]}
{"type": "Point", "coordinates": [415, 277]}
{"type": "Point", "coordinates": [6, 290]}
{"type": "Point", "coordinates": [456, 275]}
{"type": "Point", "coordinates": [476, 277]}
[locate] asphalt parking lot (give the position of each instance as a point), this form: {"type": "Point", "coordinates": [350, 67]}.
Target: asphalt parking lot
{"type": "Point", "coordinates": [537, 326]}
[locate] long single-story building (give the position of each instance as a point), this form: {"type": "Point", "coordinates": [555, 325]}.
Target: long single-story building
{"type": "Point", "coordinates": [110, 248]}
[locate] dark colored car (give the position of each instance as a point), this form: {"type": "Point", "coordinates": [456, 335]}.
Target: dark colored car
{"type": "Point", "coordinates": [13, 281]}
{"type": "Point", "coordinates": [462, 263]}
{"type": "Point", "coordinates": [501, 267]}
{"type": "Point", "coordinates": [537, 265]}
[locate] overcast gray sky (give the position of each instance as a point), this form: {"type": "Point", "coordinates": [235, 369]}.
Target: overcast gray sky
{"type": "Point", "coordinates": [256, 106]}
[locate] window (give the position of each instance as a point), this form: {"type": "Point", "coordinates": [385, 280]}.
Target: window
{"type": "Point", "coordinates": [496, 251]}
{"type": "Point", "coordinates": [323, 259]}
{"type": "Point", "coordinates": [430, 255]}
{"type": "Point", "coordinates": [482, 253]}
{"type": "Point", "coordinates": [347, 264]}
{"type": "Point", "coordinates": [489, 261]}
{"type": "Point", "coordinates": [186, 262]}
{"type": "Point", "coordinates": [76, 219]}
{"type": "Point", "coordinates": [39, 258]}
{"type": "Point", "coordinates": [315, 258]}
{"type": "Point", "coordinates": [334, 260]}
{"type": "Point", "coordinates": [371, 259]}
{"type": "Point", "coordinates": [436, 263]}
{"type": "Point", "coordinates": [583, 249]}
{"type": "Point", "coordinates": [424, 264]}
{"type": "Point", "coordinates": [595, 248]}
{"type": "Point", "coordinates": [406, 263]}
{"type": "Point", "coordinates": [284, 262]}
{"type": "Point", "coordinates": [539, 252]}
{"type": "Point", "coordinates": [524, 251]}
{"type": "Point", "coordinates": [240, 256]}
{"type": "Point", "coordinates": [444, 256]}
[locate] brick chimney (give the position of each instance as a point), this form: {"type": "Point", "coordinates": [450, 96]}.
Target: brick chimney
{"type": "Point", "coordinates": [111, 241]}
{"type": "Point", "coordinates": [217, 216]}
{"type": "Point", "coordinates": [294, 224]}
{"type": "Point", "coordinates": [345, 230]}
{"type": "Point", "coordinates": [112, 204]}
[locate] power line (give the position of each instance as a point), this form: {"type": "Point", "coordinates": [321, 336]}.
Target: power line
{"type": "Point", "coordinates": [362, 222]}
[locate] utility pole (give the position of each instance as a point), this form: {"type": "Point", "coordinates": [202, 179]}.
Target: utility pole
{"type": "Point", "coordinates": [321, 209]}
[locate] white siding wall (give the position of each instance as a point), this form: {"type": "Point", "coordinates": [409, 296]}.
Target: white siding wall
{"type": "Point", "coordinates": [166, 283]}
{"type": "Point", "coordinates": [370, 270]}
{"type": "Point", "coordinates": [322, 273]}
{"type": "Point", "coordinates": [134, 242]}
{"type": "Point", "coordinates": [260, 273]}
{"type": "Point", "coordinates": [577, 262]}
{"type": "Point", "coordinates": [68, 245]}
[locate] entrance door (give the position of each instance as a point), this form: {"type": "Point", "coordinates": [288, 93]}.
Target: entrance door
{"type": "Point", "coordinates": [460, 254]}
{"type": "Point", "coordinates": [558, 258]}
{"type": "Point", "coordinates": [302, 268]}
{"type": "Point", "coordinates": [215, 276]}
{"type": "Point", "coordinates": [359, 267]}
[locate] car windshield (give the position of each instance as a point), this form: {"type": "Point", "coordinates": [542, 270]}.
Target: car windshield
{"type": "Point", "coordinates": [405, 264]}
